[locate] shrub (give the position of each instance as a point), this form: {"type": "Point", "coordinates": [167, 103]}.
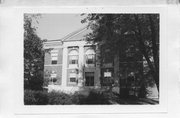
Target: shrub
{"type": "Point", "coordinates": [57, 98]}
{"type": "Point", "coordinates": [78, 98]}
{"type": "Point", "coordinates": [29, 97]}
{"type": "Point", "coordinates": [142, 91]}
{"type": "Point", "coordinates": [41, 97]}
{"type": "Point", "coordinates": [34, 82]}
{"type": "Point", "coordinates": [75, 98]}
{"type": "Point", "coordinates": [35, 97]}
{"type": "Point", "coordinates": [45, 82]}
{"type": "Point", "coordinates": [95, 97]}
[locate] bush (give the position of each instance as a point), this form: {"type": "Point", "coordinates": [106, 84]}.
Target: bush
{"type": "Point", "coordinates": [95, 97]}
{"type": "Point", "coordinates": [29, 97]}
{"type": "Point", "coordinates": [34, 82]}
{"type": "Point", "coordinates": [75, 98]}
{"type": "Point", "coordinates": [35, 97]}
{"type": "Point", "coordinates": [143, 91]}
{"type": "Point", "coordinates": [57, 98]}
{"type": "Point", "coordinates": [45, 82]}
{"type": "Point", "coordinates": [53, 98]}
{"type": "Point", "coordinates": [41, 97]}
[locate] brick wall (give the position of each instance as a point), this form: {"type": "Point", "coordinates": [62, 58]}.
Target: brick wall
{"type": "Point", "coordinates": [56, 68]}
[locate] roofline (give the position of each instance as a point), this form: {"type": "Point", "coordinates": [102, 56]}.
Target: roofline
{"type": "Point", "coordinates": [53, 40]}
{"type": "Point", "coordinates": [72, 34]}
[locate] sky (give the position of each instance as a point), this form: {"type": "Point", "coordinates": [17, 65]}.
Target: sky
{"type": "Point", "coordinates": [56, 26]}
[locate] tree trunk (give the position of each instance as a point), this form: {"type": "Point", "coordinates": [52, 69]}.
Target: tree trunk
{"type": "Point", "coordinates": [138, 35]}
{"type": "Point", "coordinates": [154, 36]}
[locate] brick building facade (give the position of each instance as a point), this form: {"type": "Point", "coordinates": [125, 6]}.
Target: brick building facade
{"type": "Point", "coordinates": [71, 63]}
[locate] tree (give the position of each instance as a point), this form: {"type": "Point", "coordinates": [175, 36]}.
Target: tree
{"type": "Point", "coordinates": [128, 34]}
{"type": "Point", "coordinates": [33, 54]}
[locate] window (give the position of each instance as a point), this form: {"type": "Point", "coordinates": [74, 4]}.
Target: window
{"type": "Point", "coordinates": [90, 56]}
{"type": "Point", "coordinates": [72, 76]}
{"type": "Point", "coordinates": [53, 78]}
{"type": "Point", "coordinates": [107, 75]}
{"type": "Point", "coordinates": [89, 76]}
{"type": "Point", "coordinates": [72, 79]}
{"type": "Point", "coordinates": [54, 56]}
{"type": "Point", "coordinates": [54, 62]}
{"type": "Point", "coordinates": [73, 57]}
{"type": "Point", "coordinates": [90, 59]}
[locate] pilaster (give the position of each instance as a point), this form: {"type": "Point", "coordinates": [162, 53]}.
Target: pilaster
{"type": "Point", "coordinates": [64, 67]}
{"type": "Point", "coordinates": [81, 65]}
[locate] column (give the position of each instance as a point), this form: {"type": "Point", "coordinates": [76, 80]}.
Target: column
{"type": "Point", "coordinates": [81, 65]}
{"type": "Point", "coordinates": [64, 67]}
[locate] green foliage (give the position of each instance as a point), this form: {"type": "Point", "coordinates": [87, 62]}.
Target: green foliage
{"type": "Point", "coordinates": [29, 97]}
{"type": "Point", "coordinates": [32, 97]}
{"type": "Point", "coordinates": [94, 98]}
{"type": "Point", "coordinates": [35, 97]}
{"type": "Point", "coordinates": [41, 97]}
{"type": "Point", "coordinates": [143, 91]}
{"type": "Point", "coordinates": [35, 83]}
{"type": "Point", "coordinates": [59, 98]}
{"type": "Point", "coordinates": [33, 54]}
{"type": "Point", "coordinates": [131, 37]}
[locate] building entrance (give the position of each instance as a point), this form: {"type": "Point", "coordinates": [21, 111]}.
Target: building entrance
{"type": "Point", "coordinates": [89, 78]}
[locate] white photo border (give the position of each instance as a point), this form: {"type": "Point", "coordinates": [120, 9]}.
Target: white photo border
{"type": "Point", "coordinates": [18, 90]}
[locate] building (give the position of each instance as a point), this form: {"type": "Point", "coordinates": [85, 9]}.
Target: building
{"type": "Point", "coordinates": [72, 63]}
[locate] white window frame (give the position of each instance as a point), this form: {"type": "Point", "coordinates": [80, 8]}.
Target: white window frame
{"type": "Point", "coordinates": [54, 56]}
{"type": "Point", "coordinates": [88, 53]}
{"type": "Point", "coordinates": [73, 75]}
{"type": "Point", "coordinates": [70, 54]}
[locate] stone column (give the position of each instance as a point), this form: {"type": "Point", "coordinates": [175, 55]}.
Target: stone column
{"type": "Point", "coordinates": [81, 65]}
{"type": "Point", "coordinates": [64, 67]}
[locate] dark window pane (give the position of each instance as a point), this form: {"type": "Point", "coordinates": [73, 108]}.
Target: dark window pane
{"type": "Point", "coordinates": [89, 79]}
{"type": "Point", "coordinates": [73, 59]}
{"type": "Point", "coordinates": [72, 79]}
{"type": "Point", "coordinates": [54, 62]}
{"type": "Point", "coordinates": [54, 79]}
{"type": "Point", "coordinates": [90, 59]}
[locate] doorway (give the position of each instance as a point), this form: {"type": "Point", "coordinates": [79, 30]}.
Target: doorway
{"type": "Point", "coordinates": [89, 78]}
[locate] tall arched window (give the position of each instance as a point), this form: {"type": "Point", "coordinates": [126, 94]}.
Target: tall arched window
{"type": "Point", "coordinates": [90, 57]}
{"type": "Point", "coordinates": [73, 57]}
